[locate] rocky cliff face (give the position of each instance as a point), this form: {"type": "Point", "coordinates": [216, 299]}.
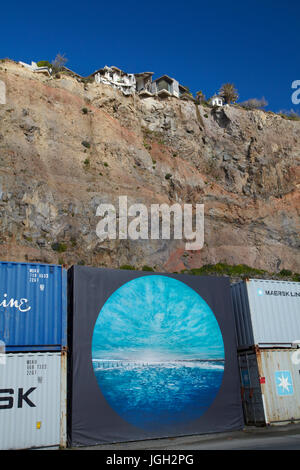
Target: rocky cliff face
{"type": "Point", "coordinates": [67, 146]}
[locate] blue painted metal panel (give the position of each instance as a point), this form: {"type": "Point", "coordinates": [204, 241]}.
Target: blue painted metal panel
{"type": "Point", "coordinates": [33, 311]}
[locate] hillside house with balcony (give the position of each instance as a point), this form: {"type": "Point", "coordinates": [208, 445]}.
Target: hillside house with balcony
{"type": "Point", "coordinates": [144, 83]}
{"type": "Point", "coordinates": [166, 86]}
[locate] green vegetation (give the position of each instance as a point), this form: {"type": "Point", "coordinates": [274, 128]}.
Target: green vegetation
{"type": "Point", "coordinates": [105, 164]}
{"type": "Point", "coordinates": [73, 242]}
{"type": "Point", "coordinates": [285, 272]}
{"type": "Point", "coordinates": [86, 144]}
{"type": "Point", "coordinates": [200, 97]}
{"type": "Point", "coordinates": [44, 63]}
{"type": "Point", "coordinates": [147, 268]}
{"type": "Point", "coordinates": [59, 247]}
{"type": "Point", "coordinates": [223, 269]}
{"type": "Point", "coordinates": [87, 80]}
{"type": "Point", "coordinates": [129, 267]}
{"type": "Point", "coordinates": [241, 271]}
{"type": "Point", "coordinates": [229, 93]}
{"type": "Point", "coordinates": [85, 110]}
{"type": "Point", "coordinates": [168, 176]}
{"type": "Point", "coordinates": [86, 162]}
{"type": "Point", "coordinates": [290, 115]}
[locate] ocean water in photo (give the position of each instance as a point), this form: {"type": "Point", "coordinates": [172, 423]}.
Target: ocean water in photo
{"type": "Point", "coordinates": [158, 353]}
{"type": "Point", "coordinates": [155, 395]}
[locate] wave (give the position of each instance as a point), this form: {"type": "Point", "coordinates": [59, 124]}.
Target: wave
{"type": "Point", "coordinates": [113, 364]}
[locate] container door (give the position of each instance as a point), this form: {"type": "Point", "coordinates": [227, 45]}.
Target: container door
{"type": "Point", "coordinates": [29, 400]}
{"type": "Point", "coordinates": [281, 371]}
{"type": "Point", "coordinates": [251, 390]}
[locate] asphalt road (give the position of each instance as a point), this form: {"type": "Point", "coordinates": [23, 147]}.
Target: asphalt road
{"type": "Point", "coordinates": [270, 438]}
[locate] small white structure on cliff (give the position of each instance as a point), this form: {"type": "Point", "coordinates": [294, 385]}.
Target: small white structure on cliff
{"type": "Point", "coordinates": [116, 78]}
{"type": "Point", "coordinates": [217, 100]}
{"type": "Point", "coordinates": [35, 68]}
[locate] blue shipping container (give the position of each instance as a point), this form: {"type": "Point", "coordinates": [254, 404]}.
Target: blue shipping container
{"type": "Point", "coordinates": [33, 307]}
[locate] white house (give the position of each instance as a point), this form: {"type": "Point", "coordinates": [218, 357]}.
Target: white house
{"type": "Point", "coordinates": [115, 77]}
{"type": "Point", "coordinates": [217, 100]}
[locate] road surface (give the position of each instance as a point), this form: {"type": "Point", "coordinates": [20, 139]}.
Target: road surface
{"type": "Point", "coordinates": [251, 438]}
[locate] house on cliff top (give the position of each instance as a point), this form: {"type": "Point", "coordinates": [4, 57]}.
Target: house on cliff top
{"type": "Point", "coordinates": [217, 100]}
{"type": "Point", "coordinates": [116, 78]}
{"type": "Point", "coordinates": [166, 86]}
{"type": "Point", "coordinates": [128, 83]}
{"type": "Point", "coordinates": [144, 83]}
{"type": "Point", "coordinates": [141, 83]}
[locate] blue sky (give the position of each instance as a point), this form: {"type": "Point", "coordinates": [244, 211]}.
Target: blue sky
{"type": "Point", "coordinates": [156, 318]}
{"type": "Point", "coordinates": [254, 44]}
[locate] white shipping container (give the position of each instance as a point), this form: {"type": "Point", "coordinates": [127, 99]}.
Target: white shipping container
{"type": "Point", "coordinates": [31, 405]}
{"type": "Point", "coordinates": [267, 313]}
{"type": "Point", "coordinates": [270, 381]}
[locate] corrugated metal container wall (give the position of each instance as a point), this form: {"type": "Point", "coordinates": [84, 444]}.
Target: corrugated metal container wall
{"type": "Point", "coordinates": [267, 313]}
{"type": "Point", "coordinates": [33, 308]}
{"type": "Point", "coordinates": [270, 381]}
{"type": "Point", "coordinates": [281, 384]}
{"type": "Point", "coordinates": [30, 400]}
{"type": "Point", "coordinates": [251, 390]}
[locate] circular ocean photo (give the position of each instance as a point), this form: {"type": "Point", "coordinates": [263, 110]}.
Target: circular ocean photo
{"type": "Point", "coordinates": [158, 353]}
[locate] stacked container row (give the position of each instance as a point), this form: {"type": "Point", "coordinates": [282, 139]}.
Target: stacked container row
{"type": "Point", "coordinates": [267, 318]}
{"type": "Point", "coordinates": [33, 338]}
{"type": "Point", "coordinates": [33, 355]}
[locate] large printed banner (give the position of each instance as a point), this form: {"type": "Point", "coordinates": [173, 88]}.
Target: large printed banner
{"type": "Point", "coordinates": [153, 355]}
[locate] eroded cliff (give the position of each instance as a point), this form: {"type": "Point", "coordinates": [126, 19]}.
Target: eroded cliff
{"type": "Point", "coordinates": [67, 146]}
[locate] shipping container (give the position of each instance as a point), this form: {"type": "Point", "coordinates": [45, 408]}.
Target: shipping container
{"type": "Point", "coordinates": [270, 385]}
{"type": "Point", "coordinates": [267, 313]}
{"type": "Point", "coordinates": [32, 400]}
{"type": "Point", "coordinates": [33, 307]}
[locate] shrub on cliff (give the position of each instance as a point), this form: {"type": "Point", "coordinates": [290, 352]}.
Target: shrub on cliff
{"type": "Point", "coordinates": [44, 63]}
{"type": "Point", "coordinates": [290, 115]}
{"type": "Point", "coordinates": [59, 247]}
{"type": "Point", "coordinates": [59, 62]}
{"type": "Point", "coordinates": [254, 103]}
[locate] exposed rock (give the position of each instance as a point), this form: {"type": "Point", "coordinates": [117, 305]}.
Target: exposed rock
{"type": "Point", "coordinates": [243, 165]}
